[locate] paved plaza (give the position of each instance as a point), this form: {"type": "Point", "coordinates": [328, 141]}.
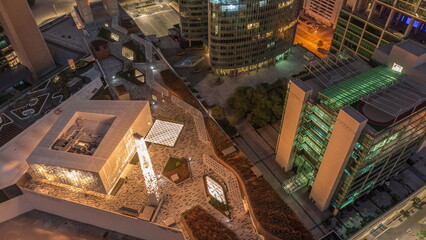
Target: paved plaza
{"type": "Point", "coordinates": [218, 94]}
{"type": "Point", "coordinates": [177, 198]}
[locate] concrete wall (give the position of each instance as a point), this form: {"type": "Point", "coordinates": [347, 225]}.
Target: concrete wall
{"type": "Point", "coordinates": [297, 96]}
{"type": "Point", "coordinates": [116, 162]}
{"type": "Point", "coordinates": [14, 207]}
{"type": "Point", "coordinates": [100, 218]}
{"type": "Point", "coordinates": [347, 129]}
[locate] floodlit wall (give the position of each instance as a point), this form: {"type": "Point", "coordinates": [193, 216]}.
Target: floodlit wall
{"type": "Point", "coordinates": [347, 129]}
{"type": "Point", "coordinates": [100, 218]}
{"type": "Point", "coordinates": [125, 150]}
{"type": "Point", "coordinates": [25, 36]}
{"type": "Point", "coordinates": [296, 99]}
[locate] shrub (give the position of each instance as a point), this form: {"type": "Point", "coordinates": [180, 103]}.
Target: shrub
{"type": "Point", "coordinates": [203, 226]}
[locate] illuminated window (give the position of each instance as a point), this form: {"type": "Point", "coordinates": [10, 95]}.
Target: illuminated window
{"type": "Point", "coordinates": [215, 190]}
{"type": "Point", "coordinates": [262, 3]}
{"type": "Point", "coordinates": [397, 67]}
{"type": "Point", "coordinates": [115, 37]}
{"type": "Point", "coordinates": [268, 34]}
{"type": "Point", "coordinates": [253, 25]}
{"type": "Point", "coordinates": [288, 26]}
{"type": "Point", "coordinates": [285, 4]}
{"type": "Point", "coordinates": [164, 133]}
{"type": "Point", "coordinates": [230, 8]}
{"type": "Point", "coordinates": [128, 53]}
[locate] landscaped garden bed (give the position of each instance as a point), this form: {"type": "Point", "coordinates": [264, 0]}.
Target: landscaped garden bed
{"type": "Point", "coordinates": [270, 212]}
{"type": "Point", "coordinates": [217, 197]}
{"type": "Point", "coordinates": [177, 167]}
{"type": "Point", "coordinates": [202, 226]}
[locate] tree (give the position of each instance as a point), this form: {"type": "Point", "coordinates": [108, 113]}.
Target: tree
{"type": "Point", "coordinates": [421, 235]}
{"type": "Point", "coordinates": [218, 113]}
{"type": "Point", "coordinates": [320, 43]}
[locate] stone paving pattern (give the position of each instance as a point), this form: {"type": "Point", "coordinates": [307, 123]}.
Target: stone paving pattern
{"type": "Point", "coordinates": [177, 198]}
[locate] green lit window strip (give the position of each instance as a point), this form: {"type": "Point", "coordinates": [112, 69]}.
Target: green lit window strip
{"type": "Point", "coordinates": [358, 87]}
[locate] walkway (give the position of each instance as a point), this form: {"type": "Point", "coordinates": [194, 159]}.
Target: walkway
{"type": "Point", "coordinates": [259, 147]}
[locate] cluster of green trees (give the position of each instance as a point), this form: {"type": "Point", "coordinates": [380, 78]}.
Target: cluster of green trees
{"type": "Point", "coordinates": [262, 105]}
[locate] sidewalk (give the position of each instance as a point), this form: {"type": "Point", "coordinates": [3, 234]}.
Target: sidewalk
{"type": "Point", "coordinates": [259, 147]}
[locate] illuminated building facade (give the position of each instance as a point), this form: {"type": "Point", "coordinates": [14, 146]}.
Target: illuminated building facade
{"type": "Point", "coordinates": [194, 20]}
{"type": "Point", "coordinates": [246, 35]}
{"type": "Point", "coordinates": [8, 58]}
{"type": "Point", "coordinates": [363, 26]}
{"type": "Point", "coordinates": [324, 11]}
{"type": "Point", "coordinates": [91, 143]}
{"type": "Point", "coordinates": [241, 35]}
{"type": "Point", "coordinates": [25, 36]}
{"type": "Point", "coordinates": [348, 127]}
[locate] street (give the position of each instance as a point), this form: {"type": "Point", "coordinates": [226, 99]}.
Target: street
{"type": "Point", "coordinates": [309, 37]}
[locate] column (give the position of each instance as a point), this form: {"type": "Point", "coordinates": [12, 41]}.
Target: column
{"type": "Point", "coordinates": [347, 129]}
{"type": "Point", "coordinates": [298, 95]}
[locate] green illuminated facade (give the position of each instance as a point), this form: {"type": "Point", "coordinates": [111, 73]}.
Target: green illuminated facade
{"type": "Point", "coordinates": [374, 23]}
{"type": "Point", "coordinates": [377, 154]}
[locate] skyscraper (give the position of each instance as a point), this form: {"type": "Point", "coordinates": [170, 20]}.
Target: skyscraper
{"type": "Point", "coordinates": [324, 11]}
{"type": "Point", "coordinates": [364, 25]}
{"type": "Point", "coordinates": [25, 36]}
{"type": "Point", "coordinates": [194, 20]}
{"type": "Point", "coordinates": [348, 127]}
{"type": "Point", "coordinates": [241, 35]}
{"type": "Point", "coordinates": [8, 58]}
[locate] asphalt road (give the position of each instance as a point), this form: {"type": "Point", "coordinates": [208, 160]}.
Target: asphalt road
{"type": "Point", "coordinates": [309, 38]}
{"type": "Point", "coordinates": [400, 232]}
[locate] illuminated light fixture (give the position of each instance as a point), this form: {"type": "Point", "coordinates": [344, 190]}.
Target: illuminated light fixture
{"type": "Point", "coordinates": [147, 169]}
{"type": "Point", "coordinates": [215, 189]}
{"type": "Point", "coordinates": [164, 133]}
{"type": "Point", "coordinates": [396, 67]}
{"type": "Point", "coordinates": [115, 37]}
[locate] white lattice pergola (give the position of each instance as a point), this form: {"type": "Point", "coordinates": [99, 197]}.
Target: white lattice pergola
{"type": "Point", "coordinates": [164, 133]}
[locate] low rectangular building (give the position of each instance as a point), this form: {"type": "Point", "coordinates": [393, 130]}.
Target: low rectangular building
{"type": "Point", "coordinates": [91, 143]}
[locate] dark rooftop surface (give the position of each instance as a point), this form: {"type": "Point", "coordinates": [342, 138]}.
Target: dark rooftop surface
{"type": "Point", "coordinates": [412, 47]}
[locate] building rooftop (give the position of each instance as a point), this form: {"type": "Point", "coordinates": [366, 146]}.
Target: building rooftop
{"type": "Point", "coordinates": [86, 134]}
{"type": "Point", "coordinates": [359, 87]}
{"type": "Point", "coordinates": [412, 47]}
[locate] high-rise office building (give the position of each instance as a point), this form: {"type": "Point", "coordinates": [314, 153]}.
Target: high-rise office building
{"type": "Point", "coordinates": [348, 127]}
{"type": "Point", "coordinates": [25, 36]}
{"type": "Point", "coordinates": [242, 35]}
{"type": "Point", "coordinates": [324, 11]}
{"type": "Point", "coordinates": [8, 58]}
{"type": "Point", "coordinates": [194, 20]}
{"type": "Point", "coordinates": [364, 25]}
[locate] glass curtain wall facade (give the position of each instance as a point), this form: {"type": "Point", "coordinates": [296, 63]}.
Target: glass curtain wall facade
{"type": "Point", "coordinates": [8, 57]}
{"type": "Point", "coordinates": [363, 29]}
{"type": "Point", "coordinates": [194, 20]}
{"type": "Point", "coordinates": [247, 34]}
{"type": "Point", "coordinates": [379, 152]}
